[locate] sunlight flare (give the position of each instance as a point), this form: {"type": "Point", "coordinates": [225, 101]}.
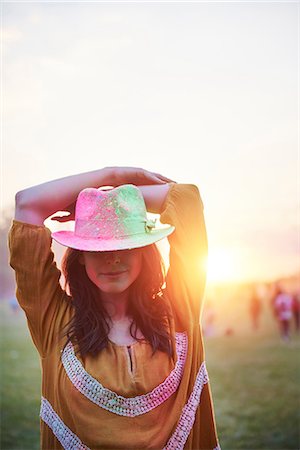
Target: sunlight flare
{"type": "Point", "coordinates": [222, 265]}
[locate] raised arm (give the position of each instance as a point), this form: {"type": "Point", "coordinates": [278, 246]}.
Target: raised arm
{"type": "Point", "coordinates": [35, 204]}
{"type": "Point", "coordinates": [186, 278]}
{"type": "Point", "coordinates": [38, 289]}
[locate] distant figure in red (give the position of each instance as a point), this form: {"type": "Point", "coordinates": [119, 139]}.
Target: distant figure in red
{"type": "Point", "coordinates": [283, 305]}
{"type": "Point", "coordinates": [255, 309]}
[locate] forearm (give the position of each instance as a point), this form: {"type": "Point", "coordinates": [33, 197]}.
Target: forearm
{"type": "Point", "coordinates": [35, 204]}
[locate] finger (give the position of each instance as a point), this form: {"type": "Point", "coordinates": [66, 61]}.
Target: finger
{"type": "Point", "coordinates": [153, 177]}
{"type": "Point", "coordinates": [146, 177]}
{"type": "Point", "coordinates": [162, 177]}
{"type": "Point", "coordinates": [157, 180]}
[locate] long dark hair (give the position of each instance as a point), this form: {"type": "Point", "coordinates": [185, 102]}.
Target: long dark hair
{"type": "Point", "coordinates": [149, 309]}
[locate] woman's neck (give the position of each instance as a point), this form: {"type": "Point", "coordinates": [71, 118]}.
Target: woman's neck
{"type": "Point", "coordinates": [116, 305]}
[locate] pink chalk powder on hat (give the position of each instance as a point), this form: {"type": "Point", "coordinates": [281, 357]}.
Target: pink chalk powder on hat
{"type": "Point", "coordinates": [114, 219]}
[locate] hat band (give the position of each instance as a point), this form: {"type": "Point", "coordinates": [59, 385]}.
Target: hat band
{"type": "Point", "coordinates": [110, 229]}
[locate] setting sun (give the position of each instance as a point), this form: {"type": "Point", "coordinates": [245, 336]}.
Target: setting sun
{"type": "Point", "coordinates": [222, 265]}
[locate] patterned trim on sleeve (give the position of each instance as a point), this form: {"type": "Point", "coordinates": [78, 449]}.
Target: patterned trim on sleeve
{"type": "Point", "coordinates": [64, 435]}
{"type": "Point", "coordinates": [187, 418]}
{"type": "Point", "coordinates": [117, 404]}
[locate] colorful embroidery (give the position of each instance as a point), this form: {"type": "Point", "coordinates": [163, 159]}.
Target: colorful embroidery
{"type": "Point", "coordinates": [70, 441]}
{"type": "Point", "coordinates": [187, 418]}
{"type": "Point", "coordinates": [109, 400]}
{"type": "Point", "coordinates": [66, 437]}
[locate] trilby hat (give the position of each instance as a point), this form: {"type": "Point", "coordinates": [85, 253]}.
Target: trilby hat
{"type": "Point", "coordinates": [114, 219]}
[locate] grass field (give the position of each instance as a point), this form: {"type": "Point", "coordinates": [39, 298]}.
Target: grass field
{"type": "Point", "coordinates": [254, 379]}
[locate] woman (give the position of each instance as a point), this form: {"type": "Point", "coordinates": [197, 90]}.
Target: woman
{"type": "Point", "coordinates": [121, 349]}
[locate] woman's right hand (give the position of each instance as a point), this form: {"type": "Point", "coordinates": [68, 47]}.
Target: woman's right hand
{"type": "Point", "coordinates": [136, 176]}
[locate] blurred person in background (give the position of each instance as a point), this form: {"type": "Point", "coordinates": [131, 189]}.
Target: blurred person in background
{"type": "Point", "coordinates": [209, 316]}
{"type": "Point", "coordinates": [283, 307]}
{"type": "Point", "coordinates": [255, 308]}
{"type": "Point", "coordinates": [121, 348]}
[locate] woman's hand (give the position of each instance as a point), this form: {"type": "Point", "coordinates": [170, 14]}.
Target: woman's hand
{"type": "Point", "coordinates": [137, 176]}
{"type": "Point", "coordinates": [118, 176]}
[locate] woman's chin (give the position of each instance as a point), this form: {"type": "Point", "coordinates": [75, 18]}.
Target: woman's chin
{"type": "Point", "coordinates": [113, 288]}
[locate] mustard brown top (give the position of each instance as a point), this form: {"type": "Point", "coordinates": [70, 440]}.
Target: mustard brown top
{"type": "Point", "coordinates": [124, 398]}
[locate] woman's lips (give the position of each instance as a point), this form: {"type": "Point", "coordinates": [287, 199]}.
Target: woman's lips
{"type": "Point", "coordinates": [112, 274]}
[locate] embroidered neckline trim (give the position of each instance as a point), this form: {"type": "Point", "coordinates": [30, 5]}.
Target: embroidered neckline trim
{"type": "Point", "coordinates": [70, 441]}
{"type": "Point", "coordinates": [117, 404]}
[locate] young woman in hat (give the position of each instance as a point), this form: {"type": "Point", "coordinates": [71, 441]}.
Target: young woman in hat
{"type": "Point", "coordinates": [121, 348]}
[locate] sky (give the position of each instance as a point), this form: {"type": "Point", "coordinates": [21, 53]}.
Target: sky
{"type": "Point", "coordinates": [202, 92]}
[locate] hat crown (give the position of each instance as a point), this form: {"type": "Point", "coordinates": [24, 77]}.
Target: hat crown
{"type": "Point", "coordinates": [107, 214]}
{"type": "Point", "coordinates": [114, 219]}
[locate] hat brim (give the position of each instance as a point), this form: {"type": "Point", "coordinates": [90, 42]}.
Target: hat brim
{"type": "Point", "coordinates": [70, 239]}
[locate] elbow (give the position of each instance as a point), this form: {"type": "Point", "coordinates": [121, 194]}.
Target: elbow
{"type": "Point", "coordinates": [189, 189]}
{"type": "Point", "coordinates": [193, 195]}
{"type": "Point", "coordinates": [24, 209]}
{"type": "Point", "coordinates": [194, 189]}
{"type": "Point", "coordinates": [195, 192]}
{"type": "Point", "coordinates": [20, 200]}
{"type": "Point", "coordinates": [20, 205]}
{"type": "Point", "coordinates": [29, 208]}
